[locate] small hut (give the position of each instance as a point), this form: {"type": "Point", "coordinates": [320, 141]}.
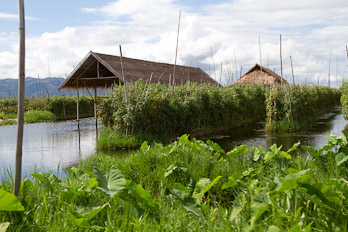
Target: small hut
{"type": "Point", "coordinates": [102, 71]}
{"type": "Point", "coordinates": [261, 76]}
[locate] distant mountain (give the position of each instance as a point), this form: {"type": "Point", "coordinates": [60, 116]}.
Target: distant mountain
{"type": "Point", "coordinates": [36, 87]}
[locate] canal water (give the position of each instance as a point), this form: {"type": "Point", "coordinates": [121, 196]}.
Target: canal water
{"type": "Point", "coordinates": [49, 145]}
{"type": "Point", "coordinates": [331, 123]}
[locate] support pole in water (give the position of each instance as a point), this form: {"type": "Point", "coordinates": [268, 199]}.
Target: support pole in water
{"type": "Point", "coordinates": [95, 103]}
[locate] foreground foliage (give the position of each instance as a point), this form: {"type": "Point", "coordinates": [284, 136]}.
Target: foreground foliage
{"type": "Point", "coordinates": [191, 186]}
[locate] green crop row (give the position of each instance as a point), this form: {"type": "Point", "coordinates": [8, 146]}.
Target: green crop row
{"type": "Point", "coordinates": [169, 112]}
{"type": "Point", "coordinates": [298, 107]}
{"type": "Point", "coordinates": [188, 186]}
{"type": "Point", "coordinates": [344, 98]}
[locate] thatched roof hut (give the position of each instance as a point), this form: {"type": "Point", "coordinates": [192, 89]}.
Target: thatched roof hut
{"type": "Point", "coordinates": [102, 71]}
{"type": "Point", "coordinates": [261, 76]}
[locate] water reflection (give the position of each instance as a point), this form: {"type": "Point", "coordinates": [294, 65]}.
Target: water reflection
{"type": "Point", "coordinates": [330, 123]}
{"type": "Point", "coordinates": [47, 145]}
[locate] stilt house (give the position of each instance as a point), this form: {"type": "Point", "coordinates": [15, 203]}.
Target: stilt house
{"type": "Point", "coordinates": [261, 76]}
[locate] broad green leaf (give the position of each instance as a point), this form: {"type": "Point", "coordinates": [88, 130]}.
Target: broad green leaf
{"type": "Point", "coordinates": [340, 158]}
{"type": "Point", "coordinates": [187, 202]}
{"type": "Point", "coordinates": [238, 206]}
{"type": "Point", "coordinates": [232, 180]}
{"type": "Point", "coordinates": [130, 207]}
{"type": "Point", "coordinates": [89, 211]}
{"type": "Point", "coordinates": [312, 190]}
{"type": "Point", "coordinates": [172, 168]}
{"type": "Point", "coordinates": [237, 151]}
{"type": "Point", "coordinates": [260, 204]}
{"type": "Point", "coordinates": [271, 152]}
{"type": "Point", "coordinates": [141, 194]}
{"type": "Point", "coordinates": [294, 147]}
{"type": "Point", "coordinates": [289, 181]}
{"type": "Point", "coordinates": [144, 147]}
{"type": "Point", "coordinates": [9, 202]}
{"type": "Point", "coordinates": [273, 229]}
{"type": "Point", "coordinates": [297, 228]}
{"type": "Point", "coordinates": [203, 186]}
{"type": "Point", "coordinates": [112, 183]}
{"type": "Point", "coordinates": [216, 147]}
{"type": "Point", "coordinates": [80, 222]}
{"type": "Point", "coordinates": [4, 226]}
{"type": "Point", "coordinates": [184, 139]}
{"type": "Point", "coordinates": [256, 152]}
{"type": "Point", "coordinates": [92, 183]}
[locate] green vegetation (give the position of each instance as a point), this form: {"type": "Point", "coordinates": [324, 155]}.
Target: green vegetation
{"type": "Point", "coordinates": [190, 186]}
{"type": "Point", "coordinates": [291, 108]}
{"type": "Point", "coordinates": [344, 98]}
{"type": "Point", "coordinates": [33, 116]}
{"type": "Point", "coordinates": [167, 112]}
{"type": "Point", "coordinates": [61, 107]}
{"type": "Point", "coordinates": [110, 140]}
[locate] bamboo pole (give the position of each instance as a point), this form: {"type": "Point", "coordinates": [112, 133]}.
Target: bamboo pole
{"type": "Point", "coordinates": [95, 102]}
{"type": "Point", "coordinates": [281, 60]}
{"type": "Point", "coordinates": [177, 44]}
{"type": "Point", "coordinates": [220, 73]}
{"type": "Point", "coordinates": [21, 92]}
{"type": "Point", "coordinates": [260, 58]}
{"type": "Point", "coordinates": [49, 75]}
{"type": "Point", "coordinates": [77, 105]}
{"type": "Point", "coordinates": [123, 77]}
{"type": "Point", "coordinates": [212, 56]}
{"type": "Point", "coordinates": [328, 81]}
{"type": "Point", "coordinates": [292, 71]}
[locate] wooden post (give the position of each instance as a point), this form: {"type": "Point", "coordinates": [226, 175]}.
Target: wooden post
{"type": "Point", "coordinates": [124, 80]}
{"type": "Point", "coordinates": [260, 59]}
{"type": "Point", "coordinates": [292, 70]}
{"type": "Point", "coordinates": [77, 106]}
{"type": "Point", "coordinates": [21, 89]}
{"type": "Point", "coordinates": [281, 60]}
{"type": "Point", "coordinates": [328, 81]}
{"type": "Point", "coordinates": [177, 43]}
{"type": "Point", "coordinates": [95, 102]}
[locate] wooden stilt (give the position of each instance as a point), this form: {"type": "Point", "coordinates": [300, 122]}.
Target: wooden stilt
{"type": "Point", "coordinates": [77, 106]}
{"type": "Point", "coordinates": [95, 103]}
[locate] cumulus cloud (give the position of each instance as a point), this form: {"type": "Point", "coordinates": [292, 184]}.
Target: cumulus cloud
{"type": "Point", "coordinates": [147, 30]}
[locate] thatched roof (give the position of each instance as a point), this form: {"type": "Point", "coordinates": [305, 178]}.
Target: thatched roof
{"type": "Point", "coordinates": [253, 76]}
{"type": "Point", "coordinates": [110, 72]}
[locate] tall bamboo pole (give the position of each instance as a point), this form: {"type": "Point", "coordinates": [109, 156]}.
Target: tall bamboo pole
{"type": "Point", "coordinates": [21, 89]}
{"type": "Point", "coordinates": [260, 59]}
{"type": "Point", "coordinates": [176, 50]}
{"type": "Point", "coordinates": [77, 105]}
{"type": "Point", "coordinates": [328, 81]}
{"type": "Point", "coordinates": [281, 60]}
{"type": "Point", "coordinates": [95, 102]}
{"type": "Point", "coordinates": [292, 71]}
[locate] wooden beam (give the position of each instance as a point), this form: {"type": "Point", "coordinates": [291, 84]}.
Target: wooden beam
{"type": "Point", "coordinates": [96, 78]}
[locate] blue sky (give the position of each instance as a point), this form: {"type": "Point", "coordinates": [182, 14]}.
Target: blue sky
{"type": "Point", "coordinates": [65, 31]}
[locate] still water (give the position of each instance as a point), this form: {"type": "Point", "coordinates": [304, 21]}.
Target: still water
{"type": "Point", "coordinates": [331, 123]}
{"type": "Point", "coordinates": [47, 145]}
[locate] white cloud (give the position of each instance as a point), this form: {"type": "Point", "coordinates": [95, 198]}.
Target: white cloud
{"type": "Point", "coordinates": [147, 30]}
{"type": "Point", "coordinates": [14, 16]}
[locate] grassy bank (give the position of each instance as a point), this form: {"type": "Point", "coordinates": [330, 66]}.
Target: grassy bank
{"type": "Point", "coordinates": [190, 186]}
{"type": "Point", "coordinates": [47, 108]}
{"type": "Point", "coordinates": [292, 108]}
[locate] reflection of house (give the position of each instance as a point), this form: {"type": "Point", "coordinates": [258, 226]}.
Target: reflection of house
{"type": "Point", "coordinates": [261, 76]}
{"type": "Point", "coordinates": [102, 71]}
